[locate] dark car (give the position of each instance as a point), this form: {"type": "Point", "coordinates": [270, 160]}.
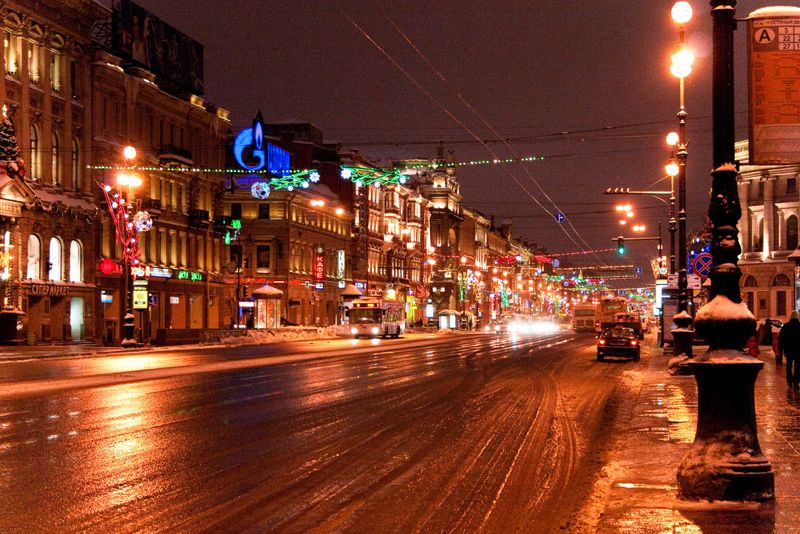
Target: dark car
{"type": "Point", "coordinates": [618, 341]}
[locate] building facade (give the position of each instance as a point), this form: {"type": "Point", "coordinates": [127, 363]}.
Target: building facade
{"type": "Point", "coordinates": [768, 233]}
{"type": "Point", "coordinates": [49, 216]}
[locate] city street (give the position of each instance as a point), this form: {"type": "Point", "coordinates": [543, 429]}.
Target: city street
{"type": "Point", "coordinates": [460, 432]}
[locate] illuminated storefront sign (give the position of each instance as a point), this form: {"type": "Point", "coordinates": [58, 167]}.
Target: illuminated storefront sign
{"type": "Point", "coordinates": [319, 267]}
{"type": "Point", "coordinates": [340, 263]}
{"type": "Point", "coordinates": [190, 275]}
{"type": "Point", "coordinates": [275, 159]}
{"type": "Point", "coordinates": [140, 295]}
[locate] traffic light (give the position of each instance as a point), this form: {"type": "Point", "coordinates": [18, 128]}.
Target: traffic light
{"type": "Point", "coordinates": [621, 246]}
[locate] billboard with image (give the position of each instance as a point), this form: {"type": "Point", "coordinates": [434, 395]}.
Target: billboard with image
{"type": "Point", "coordinates": [148, 41]}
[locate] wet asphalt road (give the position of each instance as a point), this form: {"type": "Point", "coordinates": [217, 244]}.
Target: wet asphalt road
{"type": "Point", "coordinates": [463, 434]}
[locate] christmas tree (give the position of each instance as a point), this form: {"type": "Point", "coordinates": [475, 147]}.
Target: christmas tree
{"type": "Point", "coordinates": [9, 149]}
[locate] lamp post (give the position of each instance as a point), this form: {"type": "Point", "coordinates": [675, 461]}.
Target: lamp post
{"type": "Point", "coordinates": [725, 461]}
{"type": "Point", "coordinates": [129, 221]}
{"type": "Point", "coordinates": [681, 67]}
{"type": "Point", "coordinates": [672, 169]}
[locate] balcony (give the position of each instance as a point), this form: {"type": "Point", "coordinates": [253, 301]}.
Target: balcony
{"type": "Point", "coordinates": [174, 155]}
{"type": "Point", "coordinates": [198, 218]}
{"type": "Point", "coordinates": [152, 206]}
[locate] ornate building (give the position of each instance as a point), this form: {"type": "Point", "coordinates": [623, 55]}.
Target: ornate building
{"type": "Point", "coordinates": [49, 217]}
{"type": "Point", "coordinates": [768, 232]}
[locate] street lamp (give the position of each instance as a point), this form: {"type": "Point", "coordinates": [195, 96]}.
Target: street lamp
{"type": "Point", "coordinates": [725, 461]}
{"type": "Point", "coordinates": [681, 67]}
{"type": "Point", "coordinates": [129, 221]}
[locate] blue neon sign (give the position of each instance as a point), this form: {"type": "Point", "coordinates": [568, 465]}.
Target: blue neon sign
{"type": "Point", "coordinates": [275, 159]}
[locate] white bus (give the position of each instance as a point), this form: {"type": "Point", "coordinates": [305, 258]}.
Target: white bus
{"type": "Point", "coordinates": [373, 317]}
{"type": "Point", "coordinates": [583, 317]}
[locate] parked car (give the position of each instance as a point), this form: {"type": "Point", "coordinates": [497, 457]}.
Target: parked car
{"type": "Point", "coordinates": [618, 341]}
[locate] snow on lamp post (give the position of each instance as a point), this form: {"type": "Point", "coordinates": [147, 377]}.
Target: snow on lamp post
{"type": "Point", "coordinates": [129, 221]}
{"type": "Point", "coordinates": [725, 461]}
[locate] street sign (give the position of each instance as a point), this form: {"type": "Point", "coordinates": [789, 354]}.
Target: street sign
{"type": "Point", "coordinates": [693, 281]}
{"type": "Point", "coordinates": [560, 217]}
{"type": "Point", "coordinates": [556, 262]}
{"type": "Point", "coordinates": [701, 264]}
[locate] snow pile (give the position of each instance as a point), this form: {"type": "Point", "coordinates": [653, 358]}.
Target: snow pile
{"type": "Point", "coordinates": [721, 308]}
{"type": "Point", "coordinates": [725, 356]}
{"type": "Point", "coordinates": [674, 364]}
{"type": "Point", "coordinates": [289, 333]}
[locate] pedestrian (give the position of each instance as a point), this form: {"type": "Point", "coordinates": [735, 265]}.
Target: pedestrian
{"type": "Point", "coordinates": [789, 347]}
{"type": "Point", "coordinates": [765, 336]}
{"type": "Point", "coordinates": [775, 347]}
{"type": "Point", "coordinates": [752, 347]}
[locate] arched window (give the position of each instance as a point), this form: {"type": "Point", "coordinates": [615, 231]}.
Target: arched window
{"type": "Point", "coordinates": [791, 233]}
{"type": "Point", "coordinates": [36, 155]}
{"type": "Point", "coordinates": [34, 257]}
{"type": "Point", "coordinates": [750, 281]}
{"type": "Point", "coordinates": [781, 280]}
{"type": "Point", "coordinates": [55, 270]}
{"type": "Point", "coordinates": [75, 165]}
{"type": "Point", "coordinates": [56, 160]}
{"type": "Point", "coordinates": [75, 262]}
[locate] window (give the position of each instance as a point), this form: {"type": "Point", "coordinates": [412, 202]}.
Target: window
{"type": "Point", "coordinates": [236, 210]}
{"type": "Point", "coordinates": [73, 79]}
{"type": "Point", "coordinates": [34, 257]}
{"type": "Point", "coordinates": [54, 267]}
{"type": "Point", "coordinates": [75, 165]}
{"type": "Point", "coordinates": [34, 62]}
{"type": "Point", "coordinates": [11, 50]}
{"type": "Point", "coordinates": [791, 233]}
{"type": "Point", "coordinates": [263, 211]}
{"type": "Point", "coordinates": [75, 262]}
{"type": "Point", "coordinates": [791, 185]}
{"type": "Point", "coordinates": [56, 160]}
{"type": "Point", "coordinates": [758, 243]}
{"type": "Point", "coordinates": [780, 303]}
{"type": "Point", "coordinates": [55, 71]}
{"type": "Point", "coordinates": [781, 280]}
{"type": "Point", "coordinates": [36, 156]}
{"type": "Point", "coordinates": [750, 281]}
{"type": "Point", "coordinates": [262, 258]}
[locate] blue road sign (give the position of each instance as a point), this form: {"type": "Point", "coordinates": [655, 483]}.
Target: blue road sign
{"type": "Point", "coordinates": [560, 217]}
{"type": "Point", "coordinates": [556, 263]}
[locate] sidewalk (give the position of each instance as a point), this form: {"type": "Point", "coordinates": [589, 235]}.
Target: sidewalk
{"type": "Point", "coordinates": [643, 496]}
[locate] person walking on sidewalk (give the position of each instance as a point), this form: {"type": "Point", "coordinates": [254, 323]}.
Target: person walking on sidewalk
{"type": "Point", "coordinates": [789, 346]}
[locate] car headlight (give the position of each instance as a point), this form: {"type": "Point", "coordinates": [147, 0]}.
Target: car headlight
{"type": "Point", "coordinates": [375, 330]}
{"type": "Point", "coordinates": [354, 331]}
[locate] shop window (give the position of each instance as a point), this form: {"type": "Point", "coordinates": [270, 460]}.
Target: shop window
{"type": "Point", "coordinates": [54, 267]}
{"type": "Point", "coordinates": [263, 211]}
{"type": "Point", "coordinates": [75, 262]}
{"type": "Point", "coordinates": [791, 185]}
{"type": "Point", "coordinates": [34, 257]}
{"type": "Point", "coordinates": [263, 258]}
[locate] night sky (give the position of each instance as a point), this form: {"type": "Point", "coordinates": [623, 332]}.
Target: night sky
{"type": "Point", "coordinates": [585, 84]}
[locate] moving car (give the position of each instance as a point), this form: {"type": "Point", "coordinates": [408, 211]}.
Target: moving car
{"type": "Point", "coordinates": [618, 341]}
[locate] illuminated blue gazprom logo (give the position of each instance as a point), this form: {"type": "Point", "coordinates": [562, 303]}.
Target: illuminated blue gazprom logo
{"type": "Point", "coordinates": [276, 160]}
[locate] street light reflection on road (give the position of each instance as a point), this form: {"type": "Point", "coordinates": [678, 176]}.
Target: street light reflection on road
{"type": "Point", "coordinates": [125, 364]}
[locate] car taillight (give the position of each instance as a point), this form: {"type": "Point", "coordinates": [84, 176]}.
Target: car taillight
{"type": "Point", "coordinates": [601, 342]}
{"type": "Point", "coordinates": [633, 342]}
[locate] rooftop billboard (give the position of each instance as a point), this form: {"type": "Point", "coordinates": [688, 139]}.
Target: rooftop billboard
{"type": "Point", "coordinates": [144, 39]}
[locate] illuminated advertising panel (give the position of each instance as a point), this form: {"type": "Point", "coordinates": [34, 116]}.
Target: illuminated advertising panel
{"type": "Point", "coordinates": [773, 53]}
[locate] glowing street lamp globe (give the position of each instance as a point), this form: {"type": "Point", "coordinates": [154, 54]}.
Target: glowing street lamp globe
{"type": "Point", "coordinates": [681, 12]}
{"type": "Point", "coordinates": [129, 152]}
{"type": "Point", "coordinates": [672, 169]}
{"type": "Point", "coordinates": [682, 62]}
{"type": "Point", "coordinates": [672, 138]}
